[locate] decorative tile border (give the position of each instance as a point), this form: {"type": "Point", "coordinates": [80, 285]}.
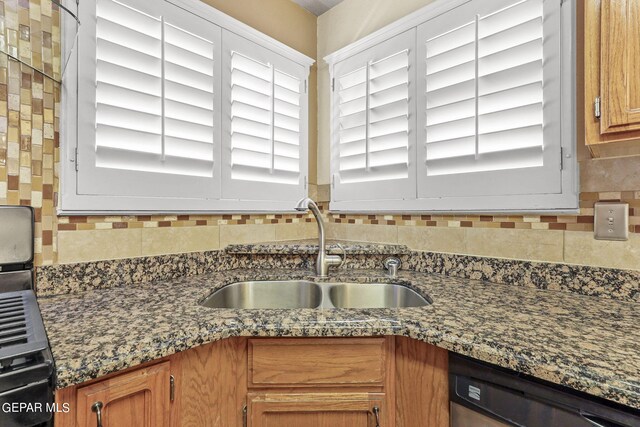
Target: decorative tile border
{"type": "Point", "coordinates": [581, 222]}
{"type": "Point", "coordinates": [68, 223]}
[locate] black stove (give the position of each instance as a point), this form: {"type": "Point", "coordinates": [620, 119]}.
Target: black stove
{"type": "Point", "coordinates": [26, 364]}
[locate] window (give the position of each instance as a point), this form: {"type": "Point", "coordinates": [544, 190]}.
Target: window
{"type": "Point", "coordinates": [374, 123]}
{"type": "Point", "coordinates": [154, 81]}
{"type": "Point", "coordinates": [493, 109]}
{"type": "Point", "coordinates": [267, 101]}
{"type": "Point", "coordinates": [151, 115]}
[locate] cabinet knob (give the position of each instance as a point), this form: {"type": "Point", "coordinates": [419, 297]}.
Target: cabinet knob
{"type": "Point", "coordinates": [97, 408]}
{"type": "Point", "coordinates": [376, 413]}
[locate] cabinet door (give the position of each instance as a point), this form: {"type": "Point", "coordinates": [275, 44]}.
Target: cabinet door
{"type": "Point", "coordinates": [314, 409]}
{"type": "Point", "coordinates": [137, 399]}
{"type": "Point", "coordinates": [620, 56]}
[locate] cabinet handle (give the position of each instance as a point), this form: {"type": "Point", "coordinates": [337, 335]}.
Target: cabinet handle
{"type": "Point", "coordinates": [97, 408]}
{"type": "Point", "coordinates": [376, 413]}
{"type": "Point", "coordinates": [244, 415]}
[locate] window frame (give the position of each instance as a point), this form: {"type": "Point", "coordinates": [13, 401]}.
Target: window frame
{"type": "Point", "coordinates": [70, 202]}
{"type": "Point", "coordinates": [566, 201]}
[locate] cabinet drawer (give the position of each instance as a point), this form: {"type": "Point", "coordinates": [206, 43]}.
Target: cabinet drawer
{"type": "Point", "coordinates": [317, 409]}
{"type": "Point", "coordinates": [322, 362]}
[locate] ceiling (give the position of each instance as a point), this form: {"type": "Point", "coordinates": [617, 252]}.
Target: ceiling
{"type": "Point", "coordinates": [317, 7]}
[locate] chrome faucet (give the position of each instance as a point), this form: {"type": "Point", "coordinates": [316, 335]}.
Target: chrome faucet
{"type": "Point", "coordinates": [324, 260]}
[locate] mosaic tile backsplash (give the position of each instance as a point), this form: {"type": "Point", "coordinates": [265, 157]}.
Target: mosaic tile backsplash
{"type": "Point", "coordinates": [29, 141]}
{"type": "Point", "coordinates": [581, 222]}
{"type": "Point", "coordinates": [145, 221]}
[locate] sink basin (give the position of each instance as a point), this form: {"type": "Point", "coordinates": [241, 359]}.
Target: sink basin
{"type": "Point", "coordinates": [374, 295]}
{"type": "Point", "coordinates": [266, 294]}
{"type": "Point", "coordinates": [306, 294]}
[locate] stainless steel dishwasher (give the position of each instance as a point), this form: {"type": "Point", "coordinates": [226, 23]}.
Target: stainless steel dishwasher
{"type": "Point", "coordinates": [483, 395]}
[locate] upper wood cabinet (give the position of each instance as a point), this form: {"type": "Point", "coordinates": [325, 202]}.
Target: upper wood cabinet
{"type": "Point", "coordinates": [620, 65]}
{"type": "Point", "coordinates": [612, 79]}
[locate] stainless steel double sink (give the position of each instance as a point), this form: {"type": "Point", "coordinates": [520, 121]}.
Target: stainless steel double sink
{"type": "Point", "coordinates": [291, 294]}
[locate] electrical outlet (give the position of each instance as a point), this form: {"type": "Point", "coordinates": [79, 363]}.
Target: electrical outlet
{"type": "Point", "coordinates": [611, 221]}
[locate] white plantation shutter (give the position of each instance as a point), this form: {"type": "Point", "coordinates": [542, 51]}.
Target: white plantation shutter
{"type": "Point", "coordinates": [265, 122]}
{"type": "Point", "coordinates": [162, 116]}
{"type": "Point", "coordinates": [374, 122]}
{"type": "Point", "coordinates": [265, 149]}
{"type": "Point", "coordinates": [151, 128]}
{"type": "Point", "coordinates": [191, 86]}
{"type": "Point", "coordinates": [489, 86]}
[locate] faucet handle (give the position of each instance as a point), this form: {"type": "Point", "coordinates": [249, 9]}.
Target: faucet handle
{"type": "Point", "coordinates": [335, 259]}
{"type": "Point", "coordinates": [392, 264]}
{"type": "Point", "coordinates": [343, 256]}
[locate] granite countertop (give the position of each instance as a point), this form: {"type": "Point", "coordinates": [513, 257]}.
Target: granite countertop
{"type": "Point", "coordinates": [310, 246]}
{"type": "Point", "coordinates": [586, 343]}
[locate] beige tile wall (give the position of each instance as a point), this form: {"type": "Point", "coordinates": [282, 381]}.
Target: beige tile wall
{"type": "Point", "coordinates": [363, 232]}
{"type": "Point", "coordinates": [572, 247]}
{"type": "Point", "coordinates": [159, 241]}
{"type": "Point", "coordinates": [90, 238]}
{"type": "Point", "coordinates": [98, 244]}
{"type": "Point", "coordinates": [552, 238]}
{"type": "Point", "coordinates": [582, 248]}
{"type": "Point", "coordinates": [94, 245]}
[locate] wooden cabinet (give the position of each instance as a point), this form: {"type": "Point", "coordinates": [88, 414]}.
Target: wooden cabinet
{"type": "Point", "coordinates": [314, 409]}
{"type": "Point", "coordinates": [318, 382]}
{"type": "Point", "coordinates": [279, 382]}
{"type": "Point", "coordinates": [139, 398]}
{"type": "Point", "coordinates": [422, 384]}
{"type": "Point", "coordinates": [620, 67]}
{"type": "Point", "coordinates": [211, 384]}
{"type": "Point", "coordinates": [611, 76]}
{"type": "Point", "coordinates": [319, 362]}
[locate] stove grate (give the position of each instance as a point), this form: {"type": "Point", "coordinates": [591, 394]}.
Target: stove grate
{"type": "Point", "coordinates": [21, 328]}
{"type": "Point", "coordinates": [13, 321]}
